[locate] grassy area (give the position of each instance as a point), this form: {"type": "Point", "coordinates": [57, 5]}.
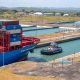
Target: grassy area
{"type": "Point", "coordinates": [49, 18]}
{"type": "Point", "coordinates": [45, 19]}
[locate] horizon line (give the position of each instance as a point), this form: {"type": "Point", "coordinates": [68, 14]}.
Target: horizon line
{"type": "Point", "coordinates": [34, 7]}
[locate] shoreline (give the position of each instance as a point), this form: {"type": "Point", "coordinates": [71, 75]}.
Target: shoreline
{"type": "Point", "coordinates": [69, 57]}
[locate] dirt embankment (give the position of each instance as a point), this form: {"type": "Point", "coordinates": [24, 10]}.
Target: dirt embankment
{"type": "Point", "coordinates": [14, 72]}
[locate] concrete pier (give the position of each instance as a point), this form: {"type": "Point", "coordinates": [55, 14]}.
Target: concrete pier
{"type": "Point", "coordinates": [45, 40]}
{"type": "Point", "coordinates": [38, 29]}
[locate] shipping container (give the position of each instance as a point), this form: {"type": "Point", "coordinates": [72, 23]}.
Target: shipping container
{"type": "Point", "coordinates": [24, 43]}
{"type": "Point", "coordinates": [15, 43]}
{"type": "Point", "coordinates": [34, 40]}
{"type": "Point", "coordinates": [15, 35]}
{"type": "Point", "coordinates": [9, 22]}
{"type": "Point", "coordinates": [4, 39]}
{"type": "Point", "coordinates": [15, 39]}
{"type": "Point", "coordinates": [5, 43]}
{"type": "Point", "coordinates": [14, 31]}
{"type": "Point", "coordinates": [15, 47]}
{"type": "Point", "coordinates": [13, 27]}
{"type": "Point", "coordinates": [0, 27]}
{"type": "Point", "coordinates": [2, 49]}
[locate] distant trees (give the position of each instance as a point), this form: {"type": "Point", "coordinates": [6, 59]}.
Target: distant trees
{"type": "Point", "coordinates": [62, 13]}
{"type": "Point", "coordinates": [8, 11]}
{"type": "Point", "coordinates": [2, 11]}
{"type": "Point", "coordinates": [15, 11]}
{"type": "Point", "coordinates": [78, 13]}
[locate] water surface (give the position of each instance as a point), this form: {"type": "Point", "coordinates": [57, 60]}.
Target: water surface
{"type": "Point", "coordinates": [42, 32]}
{"type": "Point", "coordinates": [69, 48]}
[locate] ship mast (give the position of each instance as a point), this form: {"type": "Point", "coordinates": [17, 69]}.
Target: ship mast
{"type": "Point", "coordinates": [3, 31]}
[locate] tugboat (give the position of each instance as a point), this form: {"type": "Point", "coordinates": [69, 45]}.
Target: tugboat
{"type": "Point", "coordinates": [52, 49]}
{"type": "Point", "coordinates": [13, 46]}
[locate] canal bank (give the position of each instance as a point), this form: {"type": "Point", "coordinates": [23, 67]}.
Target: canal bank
{"type": "Point", "coordinates": [59, 41]}
{"type": "Point", "coordinates": [16, 72]}
{"type": "Point", "coordinates": [39, 29]}
{"type": "Point", "coordinates": [70, 58]}
{"type": "Point", "coordinates": [61, 37]}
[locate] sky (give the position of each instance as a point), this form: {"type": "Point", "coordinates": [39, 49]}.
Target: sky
{"type": "Point", "coordinates": [40, 3]}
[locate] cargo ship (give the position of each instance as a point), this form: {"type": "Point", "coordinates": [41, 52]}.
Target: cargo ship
{"type": "Point", "coordinates": [13, 45]}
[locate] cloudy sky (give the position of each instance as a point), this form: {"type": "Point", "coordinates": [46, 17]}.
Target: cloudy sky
{"type": "Point", "coordinates": [40, 3]}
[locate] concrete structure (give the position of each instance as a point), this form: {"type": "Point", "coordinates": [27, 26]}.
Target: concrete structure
{"type": "Point", "coordinates": [48, 14]}
{"type": "Point", "coordinates": [57, 14]}
{"type": "Point", "coordinates": [66, 15]}
{"type": "Point", "coordinates": [21, 14]}
{"type": "Point", "coordinates": [77, 23]}
{"type": "Point", "coordinates": [38, 13]}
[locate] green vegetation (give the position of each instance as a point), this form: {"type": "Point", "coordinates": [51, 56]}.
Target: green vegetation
{"type": "Point", "coordinates": [49, 18]}
{"type": "Point", "coordinates": [25, 17]}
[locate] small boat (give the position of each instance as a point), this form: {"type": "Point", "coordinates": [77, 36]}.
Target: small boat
{"type": "Point", "coordinates": [52, 49]}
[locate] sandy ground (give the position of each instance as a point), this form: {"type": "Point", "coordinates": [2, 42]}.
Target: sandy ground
{"type": "Point", "coordinates": [12, 72]}
{"type": "Point", "coordinates": [41, 71]}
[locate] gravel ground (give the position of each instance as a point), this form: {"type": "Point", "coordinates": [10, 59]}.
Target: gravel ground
{"type": "Point", "coordinates": [66, 71]}
{"type": "Point", "coordinates": [24, 70]}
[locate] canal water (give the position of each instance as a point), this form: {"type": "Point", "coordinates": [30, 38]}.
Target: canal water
{"type": "Point", "coordinates": [69, 24]}
{"type": "Point", "coordinates": [70, 47]}
{"type": "Point", "coordinates": [42, 32]}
